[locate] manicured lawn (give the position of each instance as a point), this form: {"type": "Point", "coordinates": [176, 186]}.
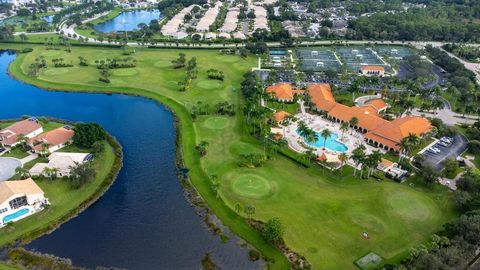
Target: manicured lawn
{"type": "Point", "coordinates": [7, 267]}
{"type": "Point", "coordinates": [323, 215]}
{"type": "Point", "coordinates": [16, 152]}
{"type": "Point", "coordinates": [62, 197]}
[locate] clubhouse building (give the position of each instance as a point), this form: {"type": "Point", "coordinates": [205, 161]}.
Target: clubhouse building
{"type": "Point", "coordinates": [376, 130]}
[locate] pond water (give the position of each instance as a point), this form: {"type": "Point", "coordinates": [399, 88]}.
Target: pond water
{"type": "Point", "coordinates": [143, 221]}
{"type": "Point", "coordinates": [128, 21]}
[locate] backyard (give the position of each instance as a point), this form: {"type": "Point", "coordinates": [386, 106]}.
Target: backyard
{"type": "Point", "coordinates": [324, 215]}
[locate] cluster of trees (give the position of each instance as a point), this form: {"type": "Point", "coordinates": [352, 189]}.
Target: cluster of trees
{"type": "Point", "coordinates": [60, 62]}
{"type": "Point", "coordinates": [191, 72]}
{"type": "Point", "coordinates": [440, 21]}
{"type": "Point", "coordinates": [215, 74]}
{"type": "Point", "coordinates": [463, 51]}
{"type": "Point", "coordinates": [87, 134]}
{"type": "Point", "coordinates": [222, 108]}
{"type": "Point", "coordinates": [461, 81]}
{"type": "Point", "coordinates": [220, 19]}
{"type": "Point", "coordinates": [35, 67]}
{"type": "Point", "coordinates": [6, 32]}
{"type": "Point", "coordinates": [126, 62]}
{"type": "Point", "coordinates": [473, 134]}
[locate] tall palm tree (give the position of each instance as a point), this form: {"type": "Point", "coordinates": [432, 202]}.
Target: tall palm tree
{"type": "Point", "coordinates": [372, 161]}
{"type": "Point", "coordinates": [343, 158]}
{"type": "Point", "coordinates": [22, 172]}
{"type": "Point", "coordinates": [344, 128]}
{"type": "Point", "coordinates": [404, 144]}
{"type": "Point", "coordinates": [353, 122]}
{"type": "Point", "coordinates": [326, 133]}
{"type": "Point", "coordinates": [358, 156]}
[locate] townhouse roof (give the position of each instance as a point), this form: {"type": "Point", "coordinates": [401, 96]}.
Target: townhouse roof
{"type": "Point", "coordinates": [24, 127]}
{"type": "Point", "coordinates": [378, 104]}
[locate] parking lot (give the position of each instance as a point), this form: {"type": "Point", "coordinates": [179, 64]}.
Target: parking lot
{"type": "Point", "coordinates": [435, 160]}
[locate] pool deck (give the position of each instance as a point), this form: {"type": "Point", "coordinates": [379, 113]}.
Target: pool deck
{"type": "Point", "coordinates": [351, 139]}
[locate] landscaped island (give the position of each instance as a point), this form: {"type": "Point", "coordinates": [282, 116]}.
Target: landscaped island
{"type": "Point", "coordinates": [64, 168]}
{"type": "Point", "coordinates": [323, 214]}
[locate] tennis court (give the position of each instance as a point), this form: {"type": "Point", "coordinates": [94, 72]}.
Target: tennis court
{"type": "Point", "coordinates": [355, 57]}
{"type": "Point", "coordinates": [397, 52]}
{"type": "Point", "coordinates": [318, 59]}
{"type": "Point", "coordinates": [277, 58]}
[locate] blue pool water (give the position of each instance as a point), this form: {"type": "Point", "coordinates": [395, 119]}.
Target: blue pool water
{"type": "Point", "coordinates": [15, 215]}
{"type": "Point", "coordinates": [128, 21]}
{"type": "Point", "coordinates": [331, 143]}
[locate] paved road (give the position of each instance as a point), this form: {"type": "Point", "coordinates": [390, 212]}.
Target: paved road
{"type": "Point", "coordinates": [474, 67]}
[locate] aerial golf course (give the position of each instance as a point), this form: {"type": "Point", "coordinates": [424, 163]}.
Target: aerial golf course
{"type": "Point", "coordinates": [323, 214]}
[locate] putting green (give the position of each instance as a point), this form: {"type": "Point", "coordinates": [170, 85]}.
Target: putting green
{"type": "Point", "coordinates": [216, 122]}
{"type": "Point", "coordinates": [56, 71]}
{"type": "Point", "coordinates": [163, 63]}
{"type": "Point", "coordinates": [252, 186]}
{"type": "Point", "coordinates": [409, 207]}
{"type": "Point", "coordinates": [209, 84]}
{"type": "Point", "coordinates": [125, 72]}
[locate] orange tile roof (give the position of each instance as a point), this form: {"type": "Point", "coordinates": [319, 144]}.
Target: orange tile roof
{"type": "Point", "coordinates": [375, 68]}
{"type": "Point", "coordinates": [322, 157]}
{"type": "Point", "coordinates": [54, 137]}
{"type": "Point", "coordinates": [282, 91]}
{"type": "Point", "coordinates": [280, 116]}
{"type": "Point", "coordinates": [378, 104]}
{"type": "Point", "coordinates": [391, 134]}
{"type": "Point", "coordinates": [378, 129]}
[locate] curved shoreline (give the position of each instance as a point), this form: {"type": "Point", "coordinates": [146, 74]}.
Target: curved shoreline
{"type": "Point", "coordinates": [185, 139]}
{"type": "Point", "coordinates": [99, 192]}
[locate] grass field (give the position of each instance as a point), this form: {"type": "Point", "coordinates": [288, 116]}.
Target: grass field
{"type": "Point", "coordinates": [62, 197]}
{"type": "Point", "coordinates": [323, 215]}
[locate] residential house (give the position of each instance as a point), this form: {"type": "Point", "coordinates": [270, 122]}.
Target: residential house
{"type": "Point", "coordinates": [28, 127]}
{"type": "Point", "coordinates": [53, 140]}
{"type": "Point", "coordinates": [63, 162]}
{"type": "Point", "coordinates": [19, 199]}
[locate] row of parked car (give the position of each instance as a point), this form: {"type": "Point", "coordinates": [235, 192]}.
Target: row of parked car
{"type": "Point", "coordinates": [443, 142]}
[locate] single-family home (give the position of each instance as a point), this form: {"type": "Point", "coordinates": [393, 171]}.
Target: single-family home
{"type": "Point", "coordinates": [28, 128]}
{"type": "Point", "coordinates": [280, 116]}
{"type": "Point", "coordinates": [63, 162]}
{"type": "Point", "coordinates": [52, 140]}
{"type": "Point", "coordinates": [19, 199]}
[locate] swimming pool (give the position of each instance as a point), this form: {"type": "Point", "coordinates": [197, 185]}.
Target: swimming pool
{"type": "Point", "coordinates": [15, 215]}
{"type": "Point", "coordinates": [331, 143]}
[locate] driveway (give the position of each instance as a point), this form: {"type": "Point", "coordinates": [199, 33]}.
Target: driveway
{"type": "Point", "coordinates": [8, 166]}
{"type": "Point", "coordinates": [454, 150]}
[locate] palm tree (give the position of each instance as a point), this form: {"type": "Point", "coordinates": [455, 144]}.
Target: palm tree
{"type": "Point", "coordinates": [344, 127]}
{"type": "Point", "coordinates": [358, 156]}
{"type": "Point", "coordinates": [326, 133]}
{"type": "Point", "coordinates": [404, 145]}
{"type": "Point", "coordinates": [372, 161]}
{"type": "Point", "coordinates": [238, 207]}
{"type": "Point", "coordinates": [22, 140]}
{"type": "Point", "coordinates": [249, 210]}
{"type": "Point", "coordinates": [47, 171]}
{"type": "Point", "coordinates": [353, 122]}
{"type": "Point", "coordinates": [343, 158]}
{"type": "Point", "coordinates": [22, 172]}
{"type": "Point", "coordinates": [53, 173]}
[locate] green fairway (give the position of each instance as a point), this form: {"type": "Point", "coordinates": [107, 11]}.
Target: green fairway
{"type": "Point", "coordinates": [324, 215]}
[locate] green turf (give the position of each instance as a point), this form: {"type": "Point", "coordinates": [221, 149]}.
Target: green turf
{"type": "Point", "coordinates": [323, 215]}
{"type": "Point", "coordinates": [125, 72]}
{"type": "Point", "coordinates": [209, 84]}
{"type": "Point", "coordinates": [16, 152]}
{"type": "Point", "coordinates": [251, 186]}
{"type": "Point", "coordinates": [163, 63]}
{"type": "Point", "coordinates": [216, 122]}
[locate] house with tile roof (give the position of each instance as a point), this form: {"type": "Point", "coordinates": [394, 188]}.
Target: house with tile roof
{"type": "Point", "coordinates": [62, 161]}
{"type": "Point", "coordinates": [28, 127]}
{"type": "Point", "coordinates": [52, 140]}
{"type": "Point", "coordinates": [370, 70]}
{"type": "Point", "coordinates": [19, 199]}
{"type": "Point", "coordinates": [280, 116]}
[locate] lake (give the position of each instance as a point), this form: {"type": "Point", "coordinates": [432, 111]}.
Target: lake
{"type": "Point", "coordinates": [128, 21]}
{"type": "Point", "coordinates": [143, 221]}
